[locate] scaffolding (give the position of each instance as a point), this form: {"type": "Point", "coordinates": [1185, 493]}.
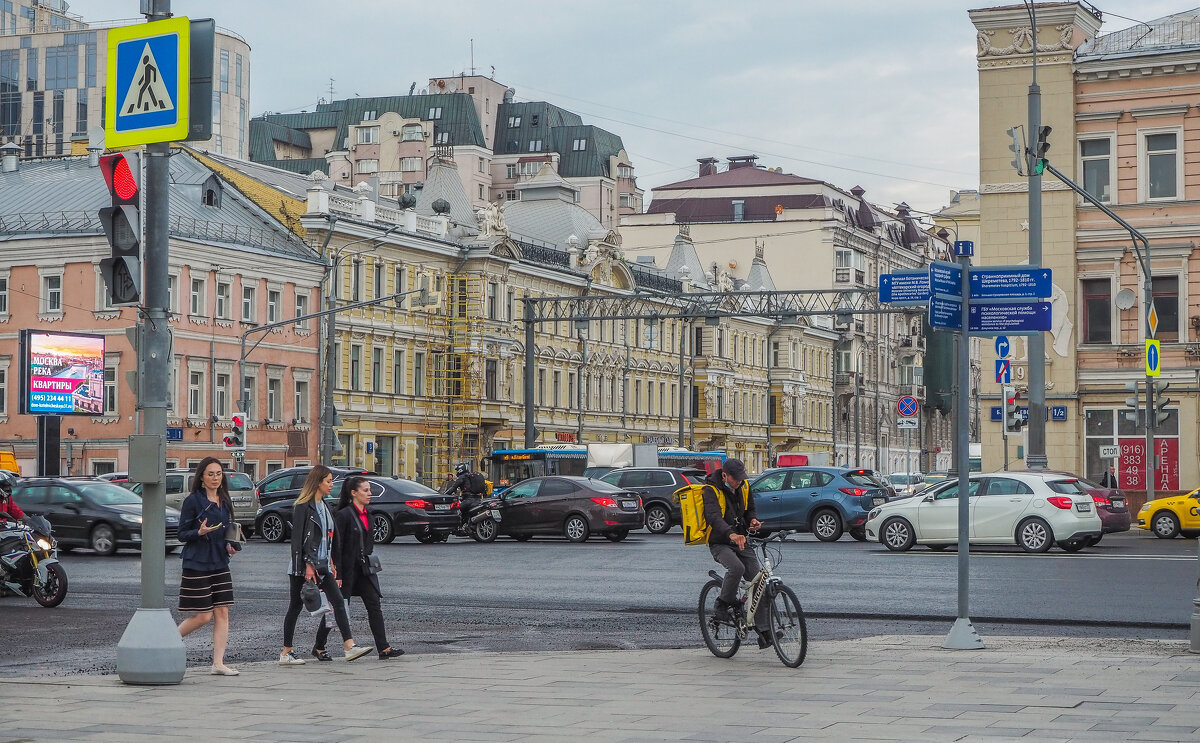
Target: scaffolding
{"type": "Point", "coordinates": [455, 373]}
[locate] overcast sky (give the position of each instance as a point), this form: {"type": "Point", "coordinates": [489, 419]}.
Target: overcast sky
{"type": "Point", "coordinates": [877, 93]}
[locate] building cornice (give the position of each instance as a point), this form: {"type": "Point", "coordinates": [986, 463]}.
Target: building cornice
{"type": "Point", "coordinates": [1151, 111]}
{"type": "Point", "coordinates": [1098, 116]}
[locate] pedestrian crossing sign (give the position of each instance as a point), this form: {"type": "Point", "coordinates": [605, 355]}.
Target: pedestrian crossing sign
{"type": "Point", "coordinates": [148, 81]}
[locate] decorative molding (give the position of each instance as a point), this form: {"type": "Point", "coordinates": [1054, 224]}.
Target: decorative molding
{"type": "Point", "coordinates": [1022, 41]}
{"type": "Point", "coordinates": [107, 420]}
{"type": "Point", "coordinates": [994, 188]}
{"type": "Point", "coordinates": [1151, 111]}
{"type": "Point", "coordinates": [50, 316]}
{"type": "Point", "coordinates": [224, 323]}
{"type": "Point", "coordinates": [107, 314]}
{"type": "Point", "coordinates": [1098, 116]}
{"type": "Point", "coordinates": [5, 318]}
{"type": "Point", "coordinates": [1024, 61]}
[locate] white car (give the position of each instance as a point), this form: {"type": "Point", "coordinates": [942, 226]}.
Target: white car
{"type": "Point", "coordinates": [906, 483]}
{"type": "Point", "coordinates": [1031, 510]}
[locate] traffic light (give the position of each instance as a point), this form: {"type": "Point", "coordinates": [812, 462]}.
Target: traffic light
{"type": "Point", "coordinates": [1039, 152]}
{"type": "Point", "coordinates": [122, 222]}
{"type": "Point", "coordinates": [1134, 403]}
{"type": "Point", "coordinates": [235, 440]}
{"type": "Point", "coordinates": [1017, 148]}
{"type": "Point", "coordinates": [1161, 401]}
{"type": "Point", "coordinates": [1013, 422]}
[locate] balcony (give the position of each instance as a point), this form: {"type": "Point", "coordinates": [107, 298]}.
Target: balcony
{"type": "Point", "coordinates": [906, 341]}
{"type": "Point", "coordinates": [849, 275]}
{"type": "Point", "coordinates": [916, 390]}
{"type": "Point", "coordinates": [844, 379]}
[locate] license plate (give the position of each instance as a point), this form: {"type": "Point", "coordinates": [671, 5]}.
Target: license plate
{"type": "Point", "coordinates": [629, 505]}
{"type": "Point", "coordinates": [1083, 507]}
{"type": "Point", "coordinates": [1119, 503]}
{"type": "Point", "coordinates": [441, 506]}
{"type": "Point", "coordinates": [241, 499]}
{"type": "Point", "coordinates": [495, 516]}
{"type": "Point", "coordinates": [879, 501]}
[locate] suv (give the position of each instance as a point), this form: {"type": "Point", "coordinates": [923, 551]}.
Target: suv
{"type": "Point", "coordinates": [656, 486]}
{"type": "Point", "coordinates": [285, 484]}
{"type": "Point", "coordinates": [241, 492]}
{"type": "Point", "coordinates": [824, 500]}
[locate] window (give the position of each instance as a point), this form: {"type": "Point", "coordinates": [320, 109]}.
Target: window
{"type": "Point", "coordinates": [221, 402]}
{"type": "Point", "coordinates": [3, 295]}
{"type": "Point", "coordinates": [110, 390]}
{"type": "Point", "coordinates": [377, 278]}
{"type": "Point", "coordinates": [625, 171]}
{"type": "Point", "coordinates": [398, 372]}
{"type": "Point", "coordinates": [510, 170]}
{"type": "Point", "coordinates": [514, 122]}
{"type": "Point", "coordinates": [195, 394]}
{"type": "Point", "coordinates": [401, 279]}
{"type": "Point", "coordinates": [52, 294]}
{"type": "Point", "coordinates": [557, 402]}
{"type": "Point", "coordinates": [370, 115]}
{"type": "Point", "coordinates": [237, 80]}
{"type": "Point", "coordinates": [275, 399]}
{"type": "Point", "coordinates": [579, 145]}
{"type": "Point", "coordinates": [419, 373]}
{"type": "Point", "coordinates": [302, 401]}
{"type": "Point", "coordinates": [739, 210]}
{"type": "Point", "coordinates": [410, 164]}
{"type": "Point", "coordinates": [223, 304]}
{"type": "Point", "coordinates": [301, 311]}
{"type": "Point", "coordinates": [1097, 310]}
{"type": "Point", "coordinates": [510, 307]}
{"type": "Point", "coordinates": [248, 387]}
{"type": "Point", "coordinates": [377, 370]}
{"type": "Point", "coordinates": [442, 137]}
{"type": "Point", "coordinates": [1166, 306]}
{"type": "Point", "coordinates": [1095, 156]}
{"type": "Point", "coordinates": [356, 281]}
{"type": "Point", "coordinates": [627, 200]}
{"type": "Point", "coordinates": [1159, 171]}
{"type": "Point", "coordinates": [490, 304]}
{"type": "Point", "coordinates": [368, 134]}
{"type": "Point", "coordinates": [412, 133]}
{"type": "Point", "coordinates": [355, 367]}
{"type": "Point", "coordinates": [196, 305]}
{"type": "Point", "coordinates": [533, 120]}
{"type": "Point", "coordinates": [512, 195]}
{"type": "Point", "coordinates": [272, 306]}
{"type": "Point", "coordinates": [490, 373]}
{"type": "Point", "coordinates": [535, 145]}
{"type": "Point", "coordinates": [247, 304]}
{"type": "Point", "coordinates": [435, 112]}
{"type": "Point", "coordinates": [224, 71]}
{"type": "Point", "coordinates": [367, 166]}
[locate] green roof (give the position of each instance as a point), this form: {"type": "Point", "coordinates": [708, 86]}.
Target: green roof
{"type": "Point", "coordinates": [592, 160]}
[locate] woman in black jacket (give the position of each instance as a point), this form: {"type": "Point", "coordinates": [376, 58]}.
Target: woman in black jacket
{"type": "Point", "coordinates": [312, 551]}
{"type": "Point", "coordinates": [351, 555]}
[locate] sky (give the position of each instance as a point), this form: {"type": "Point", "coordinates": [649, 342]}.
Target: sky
{"type": "Point", "coordinates": [876, 93]}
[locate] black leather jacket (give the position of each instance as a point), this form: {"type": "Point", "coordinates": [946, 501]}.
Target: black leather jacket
{"type": "Point", "coordinates": [306, 539]}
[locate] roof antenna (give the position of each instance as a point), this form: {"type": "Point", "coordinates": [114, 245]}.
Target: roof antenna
{"type": "Point", "coordinates": [331, 90]}
{"type": "Point", "coordinates": [472, 57]}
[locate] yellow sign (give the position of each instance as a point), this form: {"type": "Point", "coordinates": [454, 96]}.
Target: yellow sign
{"type": "Point", "coordinates": [149, 76]}
{"type": "Point", "coordinates": [1152, 320]}
{"type": "Point", "coordinates": [1153, 359]}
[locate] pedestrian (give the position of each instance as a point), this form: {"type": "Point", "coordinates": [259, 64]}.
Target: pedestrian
{"type": "Point", "coordinates": [206, 587]}
{"type": "Point", "coordinates": [312, 550]}
{"type": "Point", "coordinates": [354, 554]}
{"type": "Point", "coordinates": [1109, 478]}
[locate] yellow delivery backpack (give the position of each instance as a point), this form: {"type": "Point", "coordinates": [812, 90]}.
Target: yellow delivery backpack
{"type": "Point", "coordinates": [691, 505]}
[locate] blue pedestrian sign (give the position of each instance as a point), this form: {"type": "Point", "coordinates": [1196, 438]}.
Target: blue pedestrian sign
{"type": "Point", "coordinates": [1010, 282]}
{"type": "Point", "coordinates": [964, 248]}
{"type": "Point", "coordinates": [945, 313]}
{"type": "Point", "coordinates": [148, 83]}
{"type": "Point", "coordinates": [904, 288]}
{"type": "Point", "coordinates": [1002, 346]}
{"type": "Point", "coordinates": [1003, 371]}
{"type": "Point", "coordinates": [945, 278]}
{"type": "Point", "coordinates": [907, 406]}
{"type": "Point", "coordinates": [1012, 318]}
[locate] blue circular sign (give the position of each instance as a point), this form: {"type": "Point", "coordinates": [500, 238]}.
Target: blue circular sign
{"type": "Point", "coordinates": [907, 406]}
{"type": "Point", "coordinates": [1152, 357]}
{"type": "Point", "coordinates": [1002, 346]}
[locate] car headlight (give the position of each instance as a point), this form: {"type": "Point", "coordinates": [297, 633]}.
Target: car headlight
{"type": "Point", "coordinates": [131, 518]}
{"type": "Point", "coordinates": [172, 522]}
{"type": "Point", "coordinates": [874, 512]}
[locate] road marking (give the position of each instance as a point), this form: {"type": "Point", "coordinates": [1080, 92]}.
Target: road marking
{"type": "Point", "coordinates": [1026, 555]}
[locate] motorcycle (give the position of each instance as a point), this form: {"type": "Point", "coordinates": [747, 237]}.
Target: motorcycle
{"type": "Point", "coordinates": [29, 561]}
{"type": "Point", "coordinates": [481, 521]}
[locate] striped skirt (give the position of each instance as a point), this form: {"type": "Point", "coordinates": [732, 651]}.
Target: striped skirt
{"type": "Point", "coordinates": [201, 590]}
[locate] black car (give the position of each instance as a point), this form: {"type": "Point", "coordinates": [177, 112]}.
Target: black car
{"type": "Point", "coordinates": [398, 508]}
{"type": "Point", "coordinates": [87, 512]}
{"type": "Point", "coordinates": [656, 486]}
{"type": "Point", "coordinates": [573, 507]}
{"type": "Point", "coordinates": [285, 484]}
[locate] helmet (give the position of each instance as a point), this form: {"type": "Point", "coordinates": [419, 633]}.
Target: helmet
{"type": "Point", "coordinates": [462, 468]}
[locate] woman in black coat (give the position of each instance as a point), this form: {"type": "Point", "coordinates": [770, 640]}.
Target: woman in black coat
{"type": "Point", "coordinates": [351, 555]}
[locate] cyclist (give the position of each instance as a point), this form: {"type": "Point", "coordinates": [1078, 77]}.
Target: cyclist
{"type": "Point", "coordinates": [727, 540]}
{"type": "Point", "coordinates": [471, 488]}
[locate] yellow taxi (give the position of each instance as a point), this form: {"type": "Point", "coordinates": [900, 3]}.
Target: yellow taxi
{"type": "Point", "coordinates": [1173, 515]}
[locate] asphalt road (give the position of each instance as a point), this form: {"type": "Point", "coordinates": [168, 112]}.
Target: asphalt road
{"type": "Point", "coordinates": [547, 594]}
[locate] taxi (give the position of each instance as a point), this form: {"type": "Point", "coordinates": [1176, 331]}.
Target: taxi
{"type": "Point", "coordinates": [1173, 515]}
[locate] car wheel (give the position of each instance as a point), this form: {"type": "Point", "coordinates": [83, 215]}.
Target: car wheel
{"type": "Point", "coordinates": [103, 540]}
{"type": "Point", "coordinates": [859, 534]}
{"type": "Point", "coordinates": [271, 528]}
{"type": "Point", "coordinates": [897, 534]}
{"type": "Point", "coordinates": [575, 528]}
{"type": "Point", "coordinates": [381, 529]}
{"type": "Point", "coordinates": [485, 530]}
{"type": "Point", "coordinates": [1034, 535]}
{"type": "Point", "coordinates": [1165, 525]}
{"type": "Point", "coordinates": [658, 519]}
{"type": "Point", "coordinates": [827, 525]}
{"type": "Point", "coordinates": [616, 536]}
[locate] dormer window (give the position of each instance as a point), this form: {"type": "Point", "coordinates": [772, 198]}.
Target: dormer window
{"type": "Point", "coordinates": [210, 193]}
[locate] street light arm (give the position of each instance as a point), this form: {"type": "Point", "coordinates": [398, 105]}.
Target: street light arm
{"type": "Point", "coordinates": [1143, 258]}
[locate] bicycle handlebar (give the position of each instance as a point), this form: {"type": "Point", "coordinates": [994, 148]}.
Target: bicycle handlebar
{"type": "Point", "coordinates": [780, 536]}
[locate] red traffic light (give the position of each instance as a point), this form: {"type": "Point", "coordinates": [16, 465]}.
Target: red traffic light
{"type": "Point", "coordinates": [238, 421]}
{"type": "Point", "coordinates": [122, 172]}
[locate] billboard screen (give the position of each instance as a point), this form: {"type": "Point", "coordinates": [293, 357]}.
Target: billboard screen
{"type": "Point", "coordinates": [62, 373]}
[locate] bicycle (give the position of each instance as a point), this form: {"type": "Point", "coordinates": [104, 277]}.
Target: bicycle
{"type": "Point", "coordinates": [787, 629]}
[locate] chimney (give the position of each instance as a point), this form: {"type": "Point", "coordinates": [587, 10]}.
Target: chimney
{"type": "Point", "coordinates": [94, 156]}
{"type": "Point", "coordinates": [10, 156]}
{"type": "Point", "coordinates": [708, 166]}
{"type": "Point", "coordinates": [742, 161]}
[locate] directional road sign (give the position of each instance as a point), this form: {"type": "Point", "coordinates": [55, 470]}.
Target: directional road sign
{"type": "Point", "coordinates": [1002, 346]}
{"type": "Point", "coordinates": [1054, 413]}
{"type": "Point", "coordinates": [1153, 358]}
{"type": "Point", "coordinates": [945, 278]}
{"type": "Point", "coordinates": [1011, 282]}
{"type": "Point", "coordinates": [907, 406]}
{"type": "Point", "coordinates": [1003, 371]}
{"type": "Point", "coordinates": [904, 288]}
{"type": "Point", "coordinates": [148, 83]}
{"type": "Point", "coordinates": [945, 313]}
{"type": "Point", "coordinates": [907, 423]}
{"type": "Point", "coordinates": [1013, 318]}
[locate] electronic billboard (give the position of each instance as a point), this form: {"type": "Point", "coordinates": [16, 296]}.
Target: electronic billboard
{"type": "Point", "coordinates": [62, 373]}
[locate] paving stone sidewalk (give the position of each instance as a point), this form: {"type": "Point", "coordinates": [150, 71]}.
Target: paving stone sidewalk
{"type": "Point", "coordinates": [871, 689]}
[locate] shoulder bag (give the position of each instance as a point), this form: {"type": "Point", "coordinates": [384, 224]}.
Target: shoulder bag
{"type": "Point", "coordinates": [373, 564]}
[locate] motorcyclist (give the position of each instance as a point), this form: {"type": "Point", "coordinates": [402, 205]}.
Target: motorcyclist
{"type": "Point", "coordinates": [9, 510]}
{"type": "Point", "coordinates": [471, 488]}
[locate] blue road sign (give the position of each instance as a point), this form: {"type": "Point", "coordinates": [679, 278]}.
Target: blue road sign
{"type": "Point", "coordinates": [174, 433]}
{"type": "Point", "coordinates": [945, 313]}
{"type": "Point", "coordinates": [997, 413]}
{"type": "Point", "coordinates": [964, 248]}
{"type": "Point", "coordinates": [904, 288]}
{"type": "Point", "coordinates": [945, 278]}
{"type": "Point", "coordinates": [1058, 412]}
{"type": "Point", "coordinates": [907, 406]}
{"type": "Point", "coordinates": [1002, 346]}
{"type": "Point", "coordinates": [148, 83]}
{"type": "Point", "coordinates": [1019, 318]}
{"type": "Point", "coordinates": [1003, 371]}
{"type": "Point", "coordinates": [1010, 282]}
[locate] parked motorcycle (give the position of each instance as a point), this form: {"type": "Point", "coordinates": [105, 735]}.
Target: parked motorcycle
{"type": "Point", "coordinates": [29, 561]}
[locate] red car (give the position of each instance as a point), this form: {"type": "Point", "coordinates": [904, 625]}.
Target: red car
{"type": "Point", "coordinates": [1111, 505]}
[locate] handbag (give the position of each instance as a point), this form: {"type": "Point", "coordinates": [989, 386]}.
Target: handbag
{"type": "Point", "coordinates": [373, 564]}
{"type": "Point", "coordinates": [234, 535]}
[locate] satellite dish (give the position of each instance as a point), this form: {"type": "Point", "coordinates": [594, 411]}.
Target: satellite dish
{"type": "Point", "coordinates": [1125, 299]}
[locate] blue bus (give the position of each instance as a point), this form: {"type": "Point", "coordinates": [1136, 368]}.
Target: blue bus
{"type": "Point", "coordinates": [507, 467]}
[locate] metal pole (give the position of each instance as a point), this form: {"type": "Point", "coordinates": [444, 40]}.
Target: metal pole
{"type": "Point", "coordinates": [327, 410]}
{"type": "Point", "coordinates": [1035, 458]}
{"type": "Point", "coordinates": [963, 635]}
{"type": "Point", "coordinates": [858, 418]}
{"type": "Point", "coordinates": [907, 454]}
{"type": "Point", "coordinates": [530, 429]}
{"type": "Point", "coordinates": [683, 334]}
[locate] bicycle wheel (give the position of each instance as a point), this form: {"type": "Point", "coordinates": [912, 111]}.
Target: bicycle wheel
{"type": "Point", "coordinates": [720, 637]}
{"type": "Point", "coordinates": [788, 629]}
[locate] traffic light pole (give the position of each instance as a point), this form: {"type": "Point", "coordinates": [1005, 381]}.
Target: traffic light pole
{"type": "Point", "coordinates": [1036, 459]}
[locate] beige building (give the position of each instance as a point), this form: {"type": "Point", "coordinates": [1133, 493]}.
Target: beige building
{"type": "Point", "coordinates": [1121, 116]}
{"type": "Point", "coordinates": [53, 87]}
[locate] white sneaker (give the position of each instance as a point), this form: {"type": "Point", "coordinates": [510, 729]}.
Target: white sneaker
{"type": "Point", "coordinates": [289, 659]}
{"type": "Point", "coordinates": [358, 651]}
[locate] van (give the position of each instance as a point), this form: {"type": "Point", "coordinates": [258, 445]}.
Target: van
{"type": "Point", "coordinates": [8, 461]}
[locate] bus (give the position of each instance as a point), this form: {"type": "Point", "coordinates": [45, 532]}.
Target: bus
{"type": "Point", "coordinates": [507, 467]}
